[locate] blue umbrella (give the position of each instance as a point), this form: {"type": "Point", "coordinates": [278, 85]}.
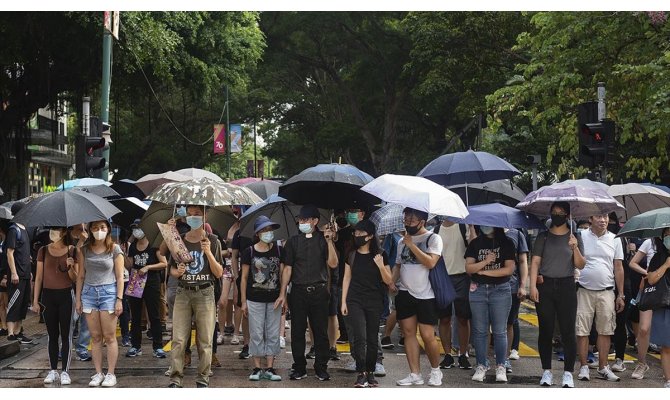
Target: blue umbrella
{"type": "Point", "coordinates": [468, 167]}
{"type": "Point", "coordinates": [663, 188]}
{"type": "Point", "coordinates": [500, 216]}
{"type": "Point", "coordinates": [82, 182]}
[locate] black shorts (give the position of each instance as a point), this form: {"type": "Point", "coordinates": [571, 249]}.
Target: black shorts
{"type": "Point", "coordinates": [461, 303]}
{"type": "Point", "coordinates": [19, 300]}
{"type": "Point", "coordinates": [407, 306]}
{"type": "Point", "coordinates": [333, 303]}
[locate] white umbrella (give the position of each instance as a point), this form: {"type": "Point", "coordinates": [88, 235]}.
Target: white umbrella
{"type": "Point", "coordinates": [195, 173]}
{"type": "Point", "coordinates": [149, 182]}
{"type": "Point", "coordinates": [418, 193]}
{"type": "Point", "coordinates": [584, 201]}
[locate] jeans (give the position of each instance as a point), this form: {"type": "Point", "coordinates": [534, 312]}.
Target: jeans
{"type": "Point", "coordinates": [84, 337]}
{"type": "Point", "coordinates": [188, 304]}
{"type": "Point", "coordinates": [490, 305]}
{"type": "Point", "coordinates": [558, 301]}
{"type": "Point", "coordinates": [263, 329]}
{"type": "Point", "coordinates": [313, 305]}
{"type": "Point", "coordinates": [363, 326]}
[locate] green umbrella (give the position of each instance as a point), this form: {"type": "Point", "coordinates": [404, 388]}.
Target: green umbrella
{"type": "Point", "coordinates": [647, 225]}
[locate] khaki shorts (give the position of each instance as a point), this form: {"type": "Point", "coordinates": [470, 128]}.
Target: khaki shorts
{"type": "Point", "coordinates": [601, 303]}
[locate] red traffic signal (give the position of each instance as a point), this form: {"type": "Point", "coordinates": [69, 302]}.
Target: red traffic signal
{"type": "Point", "coordinates": [94, 143]}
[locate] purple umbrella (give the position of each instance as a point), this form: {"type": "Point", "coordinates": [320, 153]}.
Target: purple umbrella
{"type": "Point", "coordinates": [584, 201]}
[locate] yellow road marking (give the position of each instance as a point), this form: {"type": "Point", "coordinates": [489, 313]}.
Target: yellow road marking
{"type": "Point", "coordinates": [527, 351]}
{"type": "Point", "coordinates": [530, 318]}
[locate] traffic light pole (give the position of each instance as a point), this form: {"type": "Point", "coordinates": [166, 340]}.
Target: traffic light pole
{"type": "Point", "coordinates": [104, 98]}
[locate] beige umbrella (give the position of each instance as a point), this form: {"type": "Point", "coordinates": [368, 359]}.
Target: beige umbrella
{"type": "Point", "coordinates": [194, 173]}
{"type": "Point", "coordinates": [149, 182]}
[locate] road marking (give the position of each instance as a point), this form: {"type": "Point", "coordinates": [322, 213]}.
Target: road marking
{"type": "Point", "coordinates": [530, 318]}
{"type": "Point", "coordinates": [527, 351]}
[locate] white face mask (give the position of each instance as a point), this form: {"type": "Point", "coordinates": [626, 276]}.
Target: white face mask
{"type": "Point", "coordinates": [55, 235]}
{"type": "Point", "coordinates": [100, 235]}
{"type": "Point", "coordinates": [138, 233]}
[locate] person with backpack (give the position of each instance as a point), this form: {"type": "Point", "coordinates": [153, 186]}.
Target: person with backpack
{"type": "Point", "coordinates": [262, 267]}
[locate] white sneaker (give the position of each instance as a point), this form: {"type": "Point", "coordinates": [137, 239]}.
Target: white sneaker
{"type": "Point", "coordinates": [379, 369]}
{"type": "Point", "coordinates": [618, 366]}
{"type": "Point", "coordinates": [411, 379]}
{"type": "Point", "coordinates": [639, 371]}
{"type": "Point", "coordinates": [96, 380]}
{"type": "Point", "coordinates": [514, 355]}
{"type": "Point", "coordinates": [351, 366]}
{"type": "Point", "coordinates": [435, 378]}
{"type": "Point", "coordinates": [219, 339]}
{"type": "Point", "coordinates": [501, 373]}
{"type": "Point", "coordinates": [287, 325]}
{"type": "Point", "coordinates": [168, 372]}
{"type": "Point", "coordinates": [479, 374]}
{"type": "Point", "coordinates": [584, 373]}
{"type": "Point", "coordinates": [52, 377]}
{"type": "Point", "coordinates": [235, 340]}
{"type": "Point", "coordinates": [568, 382]}
{"type": "Point", "coordinates": [606, 373]}
{"type": "Point", "coordinates": [547, 378]}
{"type": "Point", "coordinates": [65, 378]}
{"type": "Point", "coordinates": [667, 385]}
{"type": "Point", "coordinates": [282, 342]}
{"type": "Point", "coordinates": [110, 380]}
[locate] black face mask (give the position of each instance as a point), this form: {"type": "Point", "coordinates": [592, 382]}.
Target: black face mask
{"type": "Point", "coordinates": [558, 220]}
{"type": "Point", "coordinates": [360, 241]}
{"type": "Point", "coordinates": [412, 230]}
{"type": "Point", "coordinates": [614, 228]}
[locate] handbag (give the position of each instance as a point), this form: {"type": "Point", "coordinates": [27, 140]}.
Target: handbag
{"type": "Point", "coordinates": [653, 297]}
{"type": "Point", "coordinates": [136, 284]}
{"type": "Point", "coordinates": [441, 284]}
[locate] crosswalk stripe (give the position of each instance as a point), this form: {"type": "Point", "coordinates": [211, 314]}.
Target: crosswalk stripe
{"type": "Point", "coordinates": [530, 318]}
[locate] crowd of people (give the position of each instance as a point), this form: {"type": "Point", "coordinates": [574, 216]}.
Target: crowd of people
{"type": "Point", "coordinates": [337, 280]}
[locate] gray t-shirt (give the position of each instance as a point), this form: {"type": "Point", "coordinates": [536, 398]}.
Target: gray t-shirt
{"type": "Point", "coordinates": [557, 260]}
{"type": "Point", "coordinates": [100, 267]}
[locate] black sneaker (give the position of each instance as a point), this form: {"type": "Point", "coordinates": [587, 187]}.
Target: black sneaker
{"type": "Point", "coordinates": [372, 382]}
{"type": "Point", "coordinates": [401, 342]}
{"type": "Point", "coordinates": [4, 332]}
{"type": "Point", "coordinates": [448, 362]}
{"type": "Point", "coordinates": [334, 355]}
{"type": "Point", "coordinates": [174, 385]}
{"type": "Point", "coordinates": [24, 339]}
{"type": "Point", "coordinates": [322, 375]}
{"type": "Point", "coordinates": [13, 337]}
{"type": "Point", "coordinates": [311, 354]}
{"type": "Point", "coordinates": [228, 330]}
{"type": "Point", "coordinates": [297, 375]}
{"type": "Point", "coordinates": [244, 354]}
{"type": "Point", "coordinates": [463, 362]}
{"type": "Point", "coordinates": [387, 343]}
{"type": "Point", "coordinates": [361, 380]}
{"type": "Point", "coordinates": [342, 340]}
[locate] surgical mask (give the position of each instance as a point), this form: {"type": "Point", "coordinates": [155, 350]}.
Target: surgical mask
{"type": "Point", "coordinates": [267, 237]}
{"type": "Point", "coordinates": [138, 233]}
{"type": "Point", "coordinates": [486, 230]}
{"type": "Point", "coordinates": [558, 220]}
{"type": "Point", "coordinates": [55, 235]}
{"type": "Point", "coordinates": [194, 222]}
{"type": "Point", "coordinates": [666, 242]}
{"type": "Point", "coordinates": [305, 228]}
{"type": "Point", "coordinates": [352, 218]}
{"type": "Point", "coordinates": [360, 241]}
{"type": "Point", "coordinates": [100, 235]}
{"type": "Point", "coordinates": [181, 211]}
{"type": "Point", "coordinates": [412, 230]}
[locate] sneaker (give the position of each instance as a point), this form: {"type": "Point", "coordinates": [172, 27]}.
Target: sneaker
{"type": "Point", "coordinates": [342, 340]}
{"type": "Point", "coordinates": [297, 375]}
{"type": "Point", "coordinates": [514, 355]}
{"type": "Point", "coordinates": [168, 372]}
{"type": "Point", "coordinates": [379, 370]}
{"type": "Point", "coordinates": [387, 343]}
{"type": "Point", "coordinates": [508, 366]}
{"type": "Point", "coordinates": [463, 362]}
{"type": "Point", "coordinates": [244, 354]}
{"type": "Point", "coordinates": [560, 356]}
{"type": "Point", "coordinates": [322, 375]}
{"type": "Point", "coordinates": [219, 339]}
{"type": "Point", "coordinates": [334, 355]}
{"type": "Point", "coordinates": [361, 380]}
{"type": "Point", "coordinates": [134, 352]}
{"type": "Point", "coordinates": [501, 373]}
{"type": "Point", "coordinates": [618, 366]}
{"type": "Point", "coordinates": [174, 385]}
{"type": "Point", "coordinates": [4, 332]}
{"type": "Point", "coordinates": [110, 381]}
{"type": "Point", "coordinates": [592, 361]}
{"type": "Point", "coordinates": [160, 353]}
{"type": "Point", "coordinates": [606, 373]}
{"type": "Point", "coordinates": [547, 378]}
{"type": "Point", "coordinates": [256, 374]}
{"type": "Point", "coordinates": [584, 373]}
{"type": "Point", "coordinates": [401, 342]}
{"type": "Point", "coordinates": [372, 382]}
{"type": "Point", "coordinates": [447, 362]}
{"type": "Point", "coordinates": [282, 342]}
{"type": "Point", "coordinates": [65, 378]}
{"type": "Point", "coordinates": [639, 371]}
{"type": "Point", "coordinates": [51, 377]}
{"type": "Point", "coordinates": [24, 339]}
{"type": "Point", "coordinates": [311, 354]}
{"type": "Point", "coordinates": [84, 356]}
{"type": "Point", "coordinates": [654, 348]}
{"type": "Point", "coordinates": [568, 382]}
{"type": "Point", "coordinates": [228, 330]}
{"type": "Point", "coordinates": [125, 342]}
{"type": "Point", "coordinates": [351, 366]}
{"type": "Point", "coordinates": [271, 375]}
{"type": "Point", "coordinates": [96, 380]}
{"type": "Point", "coordinates": [435, 378]}
{"type": "Point", "coordinates": [235, 340]}
{"type": "Point", "coordinates": [666, 385]}
{"type": "Point", "coordinates": [187, 360]}
{"type": "Point", "coordinates": [201, 385]}
{"type": "Point", "coordinates": [479, 374]}
{"type": "Point", "coordinates": [411, 379]}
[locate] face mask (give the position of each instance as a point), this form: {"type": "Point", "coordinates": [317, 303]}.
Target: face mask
{"type": "Point", "coordinates": [614, 228]}
{"type": "Point", "coordinates": [305, 228]}
{"type": "Point", "coordinates": [558, 220]}
{"type": "Point", "coordinates": [412, 230]}
{"type": "Point", "coordinates": [267, 237]}
{"type": "Point", "coordinates": [138, 233]}
{"type": "Point", "coordinates": [352, 218]}
{"type": "Point", "coordinates": [100, 235]}
{"type": "Point", "coordinates": [194, 222]}
{"type": "Point", "coordinates": [666, 242]}
{"type": "Point", "coordinates": [55, 235]}
{"type": "Point", "coordinates": [181, 211]}
{"type": "Point", "coordinates": [486, 230]}
{"type": "Point", "coordinates": [360, 241]}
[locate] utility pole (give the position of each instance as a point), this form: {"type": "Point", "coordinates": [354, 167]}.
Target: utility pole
{"type": "Point", "coordinates": [602, 114]}
{"type": "Point", "coordinates": [104, 97]}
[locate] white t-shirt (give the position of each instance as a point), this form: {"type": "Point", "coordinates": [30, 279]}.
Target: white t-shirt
{"type": "Point", "coordinates": [649, 248]}
{"type": "Point", "coordinates": [413, 275]}
{"type": "Point", "coordinates": [453, 249]}
{"type": "Point", "coordinates": [600, 253]}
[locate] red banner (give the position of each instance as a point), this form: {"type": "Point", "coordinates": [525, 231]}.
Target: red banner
{"type": "Point", "coordinates": [219, 138]}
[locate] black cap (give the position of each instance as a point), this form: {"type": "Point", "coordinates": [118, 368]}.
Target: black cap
{"type": "Point", "coordinates": [309, 211]}
{"type": "Point", "coordinates": [366, 226]}
{"type": "Point", "coordinates": [16, 207]}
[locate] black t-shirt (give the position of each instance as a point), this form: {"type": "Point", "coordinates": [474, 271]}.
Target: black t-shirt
{"type": "Point", "coordinates": [17, 239]}
{"type": "Point", "coordinates": [478, 249]}
{"type": "Point", "coordinates": [264, 280]}
{"type": "Point", "coordinates": [307, 258]}
{"type": "Point", "coordinates": [366, 286]}
{"type": "Point", "coordinates": [143, 258]}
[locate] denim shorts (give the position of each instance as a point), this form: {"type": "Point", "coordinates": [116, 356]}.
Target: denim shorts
{"type": "Point", "coordinates": [98, 298]}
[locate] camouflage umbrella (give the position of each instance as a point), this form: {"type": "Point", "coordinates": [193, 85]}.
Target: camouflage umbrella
{"type": "Point", "coordinates": [204, 192]}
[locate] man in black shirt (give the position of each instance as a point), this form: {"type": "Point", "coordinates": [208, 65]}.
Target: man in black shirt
{"type": "Point", "coordinates": [17, 247]}
{"type": "Point", "coordinates": [309, 255]}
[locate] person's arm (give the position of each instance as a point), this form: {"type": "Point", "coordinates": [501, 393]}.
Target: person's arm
{"type": "Point", "coordinates": [80, 279]}
{"type": "Point", "coordinates": [345, 288]}
{"type": "Point", "coordinates": [523, 274]}
{"type": "Point", "coordinates": [507, 270]}
{"type": "Point", "coordinates": [473, 267]}
{"type": "Point", "coordinates": [14, 276]}
{"type": "Point", "coordinates": [534, 269]}
{"type": "Point", "coordinates": [73, 266]}
{"type": "Point", "coordinates": [39, 275]}
{"type": "Point", "coordinates": [332, 260]}
{"type": "Point", "coordinates": [384, 269]}
{"type": "Point", "coordinates": [243, 287]}
{"type": "Point", "coordinates": [634, 263]}
{"type": "Point", "coordinates": [427, 260]}
{"type": "Point", "coordinates": [655, 276]}
{"type": "Point", "coordinates": [285, 279]}
{"type": "Point", "coordinates": [234, 263]}
{"type": "Point", "coordinates": [214, 264]}
{"type": "Point", "coordinates": [161, 264]}
{"type": "Point", "coordinates": [618, 278]}
{"type": "Point", "coordinates": [577, 257]}
{"type": "Point", "coordinates": [119, 267]}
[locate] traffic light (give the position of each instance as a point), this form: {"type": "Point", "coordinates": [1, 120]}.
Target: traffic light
{"type": "Point", "coordinates": [596, 140]}
{"type": "Point", "coordinates": [86, 162]}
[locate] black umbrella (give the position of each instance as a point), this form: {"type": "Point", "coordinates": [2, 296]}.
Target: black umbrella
{"type": "Point", "coordinates": [103, 191]}
{"type": "Point", "coordinates": [65, 208]}
{"type": "Point", "coordinates": [264, 188]}
{"type": "Point", "coordinates": [131, 209]}
{"type": "Point", "coordinates": [127, 188]}
{"type": "Point", "coordinates": [490, 192]}
{"type": "Point", "coordinates": [330, 186]}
